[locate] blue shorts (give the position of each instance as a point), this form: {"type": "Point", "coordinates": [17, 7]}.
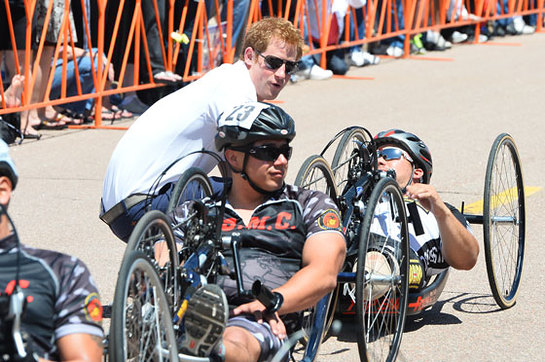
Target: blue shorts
{"type": "Point", "coordinates": [124, 224]}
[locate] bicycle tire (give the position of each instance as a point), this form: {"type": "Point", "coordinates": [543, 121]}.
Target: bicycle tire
{"type": "Point", "coordinates": [344, 153]}
{"type": "Point", "coordinates": [381, 295]}
{"type": "Point", "coordinates": [504, 221]}
{"type": "Point", "coordinates": [153, 236]}
{"type": "Point", "coordinates": [315, 174]}
{"type": "Point", "coordinates": [140, 315]}
{"type": "Point", "coordinates": [193, 184]}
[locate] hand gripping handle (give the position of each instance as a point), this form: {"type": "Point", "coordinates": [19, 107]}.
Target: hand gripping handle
{"type": "Point", "coordinates": [271, 300]}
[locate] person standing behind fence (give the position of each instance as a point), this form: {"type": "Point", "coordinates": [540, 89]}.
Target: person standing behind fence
{"type": "Point", "coordinates": [186, 120]}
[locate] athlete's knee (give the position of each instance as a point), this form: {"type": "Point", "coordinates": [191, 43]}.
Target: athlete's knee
{"type": "Point", "coordinates": [240, 345]}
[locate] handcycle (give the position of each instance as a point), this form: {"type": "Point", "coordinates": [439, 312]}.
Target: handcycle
{"type": "Point", "coordinates": [359, 189]}
{"type": "Point", "coordinates": [157, 278]}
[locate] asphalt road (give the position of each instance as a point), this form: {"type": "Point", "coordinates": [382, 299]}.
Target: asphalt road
{"type": "Point", "coordinates": [457, 105]}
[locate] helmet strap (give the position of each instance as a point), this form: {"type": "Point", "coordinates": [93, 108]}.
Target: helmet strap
{"type": "Point", "coordinates": [245, 176]}
{"type": "Point", "coordinates": [404, 189]}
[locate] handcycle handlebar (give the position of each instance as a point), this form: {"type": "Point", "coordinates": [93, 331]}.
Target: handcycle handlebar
{"type": "Point", "coordinates": [271, 300]}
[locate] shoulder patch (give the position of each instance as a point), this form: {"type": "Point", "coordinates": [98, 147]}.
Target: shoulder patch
{"type": "Point", "coordinates": [329, 220]}
{"type": "Point", "coordinates": [93, 308]}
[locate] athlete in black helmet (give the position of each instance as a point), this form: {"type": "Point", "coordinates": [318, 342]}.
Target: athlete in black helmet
{"type": "Point", "coordinates": [447, 239]}
{"type": "Point", "coordinates": [293, 241]}
{"type": "Point", "coordinates": [271, 123]}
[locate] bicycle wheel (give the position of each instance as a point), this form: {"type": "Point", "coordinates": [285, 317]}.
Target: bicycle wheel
{"type": "Point", "coordinates": [382, 273]}
{"type": "Point", "coordinates": [315, 174]}
{"type": "Point", "coordinates": [347, 151]}
{"type": "Point", "coordinates": [153, 236]}
{"type": "Point", "coordinates": [504, 221]}
{"type": "Point", "coordinates": [314, 318]}
{"type": "Point", "coordinates": [141, 325]}
{"type": "Point", "coordinates": [193, 184]}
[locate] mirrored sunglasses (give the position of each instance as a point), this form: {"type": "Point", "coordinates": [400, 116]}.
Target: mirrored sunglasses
{"type": "Point", "coordinates": [274, 63]}
{"type": "Point", "coordinates": [270, 152]}
{"type": "Point", "coordinates": [392, 153]}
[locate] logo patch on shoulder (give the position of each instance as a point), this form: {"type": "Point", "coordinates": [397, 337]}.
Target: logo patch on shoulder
{"type": "Point", "coordinates": [329, 220]}
{"type": "Point", "coordinates": [93, 308]}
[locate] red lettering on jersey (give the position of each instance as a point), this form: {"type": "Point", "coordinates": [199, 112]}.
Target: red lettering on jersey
{"type": "Point", "coordinates": [11, 285]}
{"type": "Point", "coordinates": [23, 284]}
{"type": "Point", "coordinates": [256, 223]}
{"type": "Point", "coordinates": [280, 224]}
{"type": "Point", "coordinates": [228, 224]}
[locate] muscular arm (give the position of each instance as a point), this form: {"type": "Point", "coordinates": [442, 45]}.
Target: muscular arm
{"type": "Point", "coordinates": [459, 247]}
{"type": "Point", "coordinates": [80, 347]}
{"type": "Point", "coordinates": [323, 257]}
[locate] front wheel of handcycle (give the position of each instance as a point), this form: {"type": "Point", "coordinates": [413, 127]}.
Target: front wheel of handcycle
{"type": "Point", "coordinates": [315, 174]}
{"type": "Point", "coordinates": [153, 236]}
{"type": "Point", "coordinates": [141, 325]}
{"type": "Point", "coordinates": [346, 155]}
{"type": "Point", "coordinates": [382, 273]}
{"type": "Point", "coordinates": [504, 221]}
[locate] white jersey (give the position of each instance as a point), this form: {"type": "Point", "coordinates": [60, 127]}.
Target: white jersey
{"type": "Point", "coordinates": [182, 122]}
{"type": "Point", "coordinates": [428, 244]}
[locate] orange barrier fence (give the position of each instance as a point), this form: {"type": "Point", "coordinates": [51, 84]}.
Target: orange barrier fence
{"type": "Point", "coordinates": [196, 36]}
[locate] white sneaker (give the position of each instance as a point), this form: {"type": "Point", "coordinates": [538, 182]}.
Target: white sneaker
{"type": "Point", "coordinates": [317, 73]}
{"type": "Point", "coordinates": [360, 58]}
{"type": "Point", "coordinates": [483, 38]}
{"type": "Point", "coordinates": [394, 51]}
{"type": "Point", "coordinates": [527, 29]}
{"type": "Point", "coordinates": [435, 41]}
{"type": "Point", "coordinates": [458, 37]}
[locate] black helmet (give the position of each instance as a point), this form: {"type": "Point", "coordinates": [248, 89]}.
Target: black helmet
{"type": "Point", "coordinates": [251, 122]}
{"type": "Point", "coordinates": [409, 142]}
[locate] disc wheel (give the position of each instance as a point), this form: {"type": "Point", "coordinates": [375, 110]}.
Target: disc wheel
{"type": "Point", "coordinates": [382, 273]}
{"type": "Point", "coordinates": [141, 325]}
{"type": "Point", "coordinates": [315, 174]}
{"type": "Point", "coordinates": [504, 221]}
{"type": "Point", "coordinates": [153, 236]}
{"type": "Point", "coordinates": [193, 184]}
{"type": "Point", "coordinates": [346, 156]}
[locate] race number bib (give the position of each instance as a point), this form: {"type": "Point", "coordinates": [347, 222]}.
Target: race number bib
{"type": "Point", "coordinates": [243, 115]}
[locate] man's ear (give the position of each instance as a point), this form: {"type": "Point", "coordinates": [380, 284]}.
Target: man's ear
{"type": "Point", "coordinates": [417, 175]}
{"type": "Point", "coordinates": [5, 190]}
{"type": "Point", "coordinates": [234, 159]}
{"type": "Point", "coordinates": [249, 55]}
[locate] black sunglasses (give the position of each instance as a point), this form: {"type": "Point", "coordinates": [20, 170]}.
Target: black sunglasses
{"type": "Point", "coordinates": [266, 152]}
{"type": "Point", "coordinates": [274, 63]}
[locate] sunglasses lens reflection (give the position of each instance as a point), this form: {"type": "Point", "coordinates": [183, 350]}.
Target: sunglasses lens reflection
{"type": "Point", "coordinates": [390, 154]}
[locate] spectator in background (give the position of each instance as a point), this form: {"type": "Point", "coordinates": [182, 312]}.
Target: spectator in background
{"type": "Point", "coordinates": [82, 110]}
